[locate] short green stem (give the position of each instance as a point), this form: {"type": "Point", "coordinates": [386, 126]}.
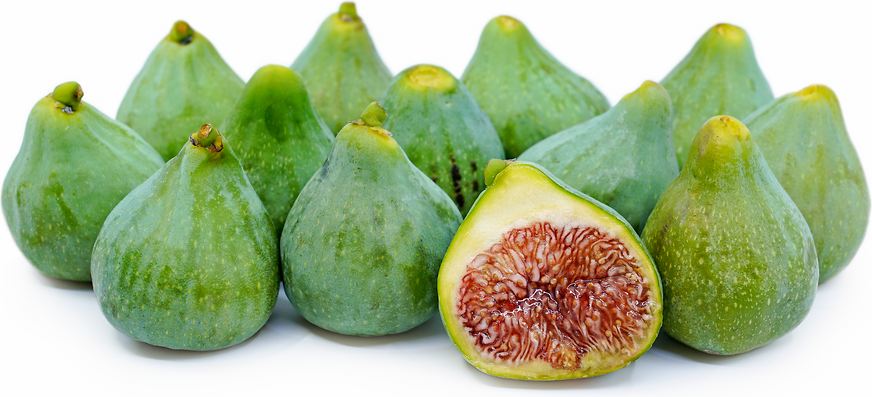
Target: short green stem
{"type": "Point", "coordinates": [70, 94]}
{"type": "Point", "coordinates": [348, 11]}
{"type": "Point", "coordinates": [493, 168]}
{"type": "Point", "coordinates": [208, 138]}
{"type": "Point", "coordinates": [374, 115]}
{"type": "Point", "coordinates": [181, 32]}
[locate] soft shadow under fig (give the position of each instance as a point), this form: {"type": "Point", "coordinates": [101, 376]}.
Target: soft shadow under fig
{"type": "Point", "coordinates": [431, 328]}
{"type": "Point", "coordinates": [145, 350]}
{"type": "Point", "coordinates": [621, 376]}
{"type": "Point", "coordinates": [64, 284]}
{"type": "Point", "coordinates": [667, 344]}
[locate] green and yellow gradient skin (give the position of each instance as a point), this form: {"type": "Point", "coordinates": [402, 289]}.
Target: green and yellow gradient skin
{"type": "Point", "coordinates": [278, 136]}
{"type": "Point", "coordinates": [736, 257]}
{"type": "Point", "coordinates": [527, 93]}
{"type": "Point", "coordinates": [520, 194]}
{"type": "Point", "coordinates": [189, 259]}
{"type": "Point", "coordinates": [342, 68]}
{"type": "Point", "coordinates": [624, 157]}
{"type": "Point", "coordinates": [363, 242]}
{"type": "Point", "coordinates": [183, 82]}
{"type": "Point", "coordinates": [442, 130]}
{"type": "Point", "coordinates": [75, 164]}
{"type": "Point", "coordinates": [806, 144]}
{"type": "Point", "coordinates": [720, 75]}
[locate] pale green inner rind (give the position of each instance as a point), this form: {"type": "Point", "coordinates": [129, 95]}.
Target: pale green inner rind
{"type": "Point", "coordinates": [523, 189]}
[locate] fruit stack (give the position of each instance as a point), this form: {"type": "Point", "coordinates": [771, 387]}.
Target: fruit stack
{"type": "Point", "coordinates": [219, 191]}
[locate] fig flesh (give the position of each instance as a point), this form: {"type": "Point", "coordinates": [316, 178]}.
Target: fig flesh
{"type": "Point", "coordinates": [542, 282]}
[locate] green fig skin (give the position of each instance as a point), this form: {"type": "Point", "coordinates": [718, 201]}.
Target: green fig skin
{"type": "Point", "coordinates": [805, 142]}
{"type": "Point", "coordinates": [363, 242]}
{"type": "Point", "coordinates": [736, 257]}
{"type": "Point", "coordinates": [521, 193]}
{"type": "Point", "coordinates": [624, 157]}
{"type": "Point", "coordinates": [442, 130]}
{"type": "Point", "coordinates": [720, 75]}
{"type": "Point", "coordinates": [279, 138]}
{"type": "Point", "coordinates": [189, 259]}
{"type": "Point", "coordinates": [73, 167]}
{"type": "Point", "coordinates": [342, 68]}
{"type": "Point", "coordinates": [183, 82]}
{"type": "Point", "coordinates": [526, 92]}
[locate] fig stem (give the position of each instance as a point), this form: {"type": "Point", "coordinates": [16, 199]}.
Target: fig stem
{"type": "Point", "coordinates": [181, 32]}
{"type": "Point", "coordinates": [69, 94]}
{"type": "Point", "coordinates": [348, 10]}
{"type": "Point", "coordinates": [373, 115]}
{"type": "Point", "coordinates": [493, 168]}
{"type": "Point", "coordinates": [208, 138]}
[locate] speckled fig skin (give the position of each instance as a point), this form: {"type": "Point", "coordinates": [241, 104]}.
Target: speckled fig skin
{"type": "Point", "coordinates": [74, 166]}
{"type": "Point", "coordinates": [363, 242]}
{"type": "Point", "coordinates": [624, 157]}
{"type": "Point", "coordinates": [279, 138]}
{"type": "Point", "coordinates": [442, 130]}
{"type": "Point", "coordinates": [735, 255]}
{"type": "Point", "coordinates": [342, 68]}
{"type": "Point", "coordinates": [183, 82]}
{"type": "Point", "coordinates": [720, 75]}
{"type": "Point", "coordinates": [189, 259]}
{"type": "Point", "coordinates": [526, 92]}
{"type": "Point", "coordinates": [804, 139]}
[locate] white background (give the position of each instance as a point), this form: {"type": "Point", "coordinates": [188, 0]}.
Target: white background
{"type": "Point", "coordinates": [55, 340]}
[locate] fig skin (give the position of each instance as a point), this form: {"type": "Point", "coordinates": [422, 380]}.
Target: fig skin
{"type": "Point", "coordinates": [736, 257]}
{"type": "Point", "coordinates": [521, 193]}
{"type": "Point", "coordinates": [184, 81]}
{"type": "Point", "coordinates": [362, 244]}
{"type": "Point", "coordinates": [804, 131]}
{"type": "Point", "coordinates": [719, 75]}
{"type": "Point", "coordinates": [442, 130]}
{"type": "Point", "coordinates": [624, 157]}
{"type": "Point", "coordinates": [526, 92]}
{"type": "Point", "coordinates": [75, 164]}
{"type": "Point", "coordinates": [189, 259]}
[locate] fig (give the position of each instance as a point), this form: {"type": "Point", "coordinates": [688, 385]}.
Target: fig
{"type": "Point", "coordinates": [720, 75]}
{"type": "Point", "coordinates": [527, 93]}
{"type": "Point", "coordinates": [623, 158]}
{"type": "Point", "coordinates": [736, 257]}
{"type": "Point", "coordinates": [278, 136]}
{"type": "Point", "coordinates": [341, 68]}
{"type": "Point", "coordinates": [442, 130]}
{"type": "Point", "coordinates": [805, 142]}
{"type": "Point", "coordinates": [363, 242]}
{"type": "Point", "coordinates": [189, 260]}
{"type": "Point", "coordinates": [542, 282]}
{"type": "Point", "coordinates": [183, 82]}
{"type": "Point", "coordinates": [75, 164]}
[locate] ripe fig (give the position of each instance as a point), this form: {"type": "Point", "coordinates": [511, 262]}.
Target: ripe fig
{"type": "Point", "coordinates": [624, 157]}
{"type": "Point", "coordinates": [527, 93]}
{"type": "Point", "coordinates": [736, 257]}
{"type": "Point", "coordinates": [183, 82]}
{"type": "Point", "coordinates": [542, 282]}
{"type": "Point", "coordinates": [362, 244]}
{"type": "Point", "coordinates": [74, 166]}
{"type": "Point", "coordinates": [189, 259]}
{"type": "Point", "coordinates": [341, 68]}
{"type": "Point", "coordinates": [805, 142]}
{"type": "Point", "coordinates": [278, 136]}
{"type": "Point", "coordinates": [720, 75]}
{"type": "Point", "coordinates": [442, 130]}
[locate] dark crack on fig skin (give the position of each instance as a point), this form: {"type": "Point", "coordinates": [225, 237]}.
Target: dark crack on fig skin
{"type": "Point", "coordinates": [455, 182]}
{"type": "Point", "coordinates": [555, 294]}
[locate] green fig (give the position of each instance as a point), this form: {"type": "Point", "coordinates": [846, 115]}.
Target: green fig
{"type": "Point", "coordinates": [189, 259]}
{"type": "Point", "coordinates": [341, 68]}
{"type": "Point", "coordinates": [442, 130]}
{"type": "Point", "coordinates": [624, 157]}
{"type": "Point", "coordinates": [736, 257]}
{"type": "Point", "coordinates": [542, 282]}
{"type": "Point", "coordinates": [362, 244]}
{"type": "Point", "coordinates": [278, 136]}
{"type": "Point", "coordinates": [183, 82]}
{"type": "Point", "coordinates": [527, 93]}
{"type": "Point", "coordinates": [74, 166]}
{"type": "Point", "coordinates": [720, 75]}
{"type": "Point", "coordinates": [805, 142]}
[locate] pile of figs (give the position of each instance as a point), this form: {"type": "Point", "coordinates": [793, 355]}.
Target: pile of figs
{"type": "Point", "coordinates": [702, 204]}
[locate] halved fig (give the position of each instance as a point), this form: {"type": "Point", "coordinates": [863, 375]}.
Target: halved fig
{"type": "Point", "coordinates": [542, 282]}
